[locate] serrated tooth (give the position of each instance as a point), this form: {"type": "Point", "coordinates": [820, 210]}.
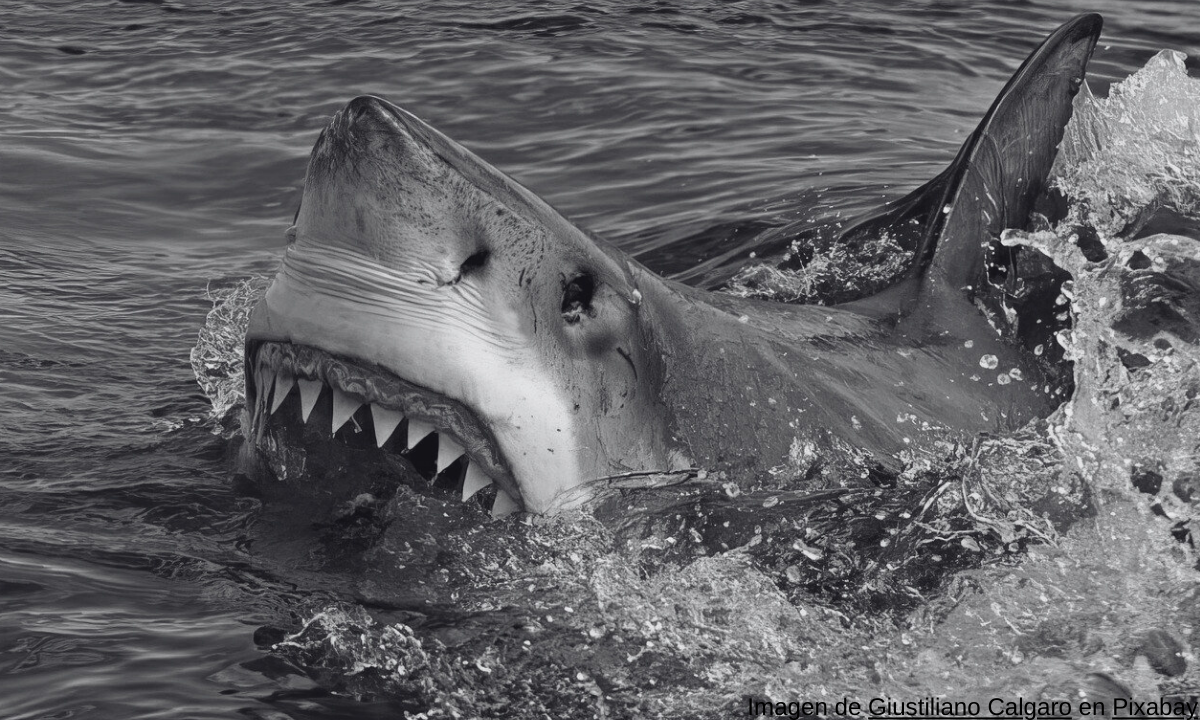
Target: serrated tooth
{"type": "Point", "coordinates": [343, 407]}
{"type": "Point", "coordinates": [385, 423]}
{"type": "Point", "coordinates": [504, 504]}
{"type": "Point", "coordinates": [474, 481]}
{"type": "Point", "coordinates": [310, 390]}
{"type": "Point", "coordinates": [283, 385]}
{"type": "Point", "coordinates": [448, 452]}
{"type": "Point", "coordinates": [417, 431]}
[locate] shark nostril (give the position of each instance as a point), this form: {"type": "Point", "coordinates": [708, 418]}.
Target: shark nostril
{"type": "Point", "coordinates": [475, 262]}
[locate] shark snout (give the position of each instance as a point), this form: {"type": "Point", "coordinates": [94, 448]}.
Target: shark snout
{"type": "Point", "coordinates": [363, 125]}
{"type": "Point", "coordinates": [383, 184]}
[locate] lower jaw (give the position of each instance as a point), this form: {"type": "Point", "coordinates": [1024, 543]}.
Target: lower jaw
{"type": "Point", "coordinates": [302, 460]}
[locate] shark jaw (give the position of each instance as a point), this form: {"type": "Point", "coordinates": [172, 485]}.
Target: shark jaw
{"type": "Point", "coordinates": [371, 409]}
{"type": "Point", "coordinates": [426, 359]}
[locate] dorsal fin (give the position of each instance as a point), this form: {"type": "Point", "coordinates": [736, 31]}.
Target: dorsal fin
{"type": "Point", "coordinates": [997, 175]}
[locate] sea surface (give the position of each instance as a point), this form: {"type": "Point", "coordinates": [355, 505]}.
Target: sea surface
{"type": "Point", "coordinates": [152, 149]}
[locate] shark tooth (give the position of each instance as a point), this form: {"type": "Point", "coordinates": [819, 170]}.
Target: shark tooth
{"type": "Point", "coordinates": [448, 452]}
{"type": "Point", "coordinates": [343, 407]}
{"type": "Point", "coordinates": [417, 431]}
{"type": "Point", "coordinates": [504, 504]}
{"type": "Point", "coordinates": [310, 390]}
{"type": "Point", "coordinates": [283, 386]}
{"type": "Point", "coordinates": [385, 423]}
{"type": "Point", "coordinates": [474, 481]}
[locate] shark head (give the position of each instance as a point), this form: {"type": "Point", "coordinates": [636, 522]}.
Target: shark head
{"type": "Point", "coordinates": [425, 284]}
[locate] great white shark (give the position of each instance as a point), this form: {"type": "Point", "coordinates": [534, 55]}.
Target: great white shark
{"type": "Point", "coordinates": [425, 297]}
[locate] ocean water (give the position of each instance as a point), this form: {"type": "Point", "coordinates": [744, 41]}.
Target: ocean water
{"type": "Point", "coordinates": [154, 149]}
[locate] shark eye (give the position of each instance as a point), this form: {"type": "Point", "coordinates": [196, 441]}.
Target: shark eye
{"type": "Point", "coordinates": [577, 298]}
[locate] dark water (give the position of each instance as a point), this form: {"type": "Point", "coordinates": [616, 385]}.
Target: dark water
{"type": "Point", "coordinates": [152, 147]}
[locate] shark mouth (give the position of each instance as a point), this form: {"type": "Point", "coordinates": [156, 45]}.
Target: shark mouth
{"type": "Point", "coordinates": [370, 409]}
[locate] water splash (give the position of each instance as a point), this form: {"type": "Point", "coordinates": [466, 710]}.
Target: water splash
{"type": "Point", "coordinates": [347, 648]}
{"type": "Point", "coordinates": [217, 355]}
{"type": "Point", "coordinates": [1135, 303]}
{"type": "Point", "coordinates": [1138, 150]}
{"type": "Point", "coordinates": [1136, 325]}
{"type": "Point", "coordinates": [835, 270]}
